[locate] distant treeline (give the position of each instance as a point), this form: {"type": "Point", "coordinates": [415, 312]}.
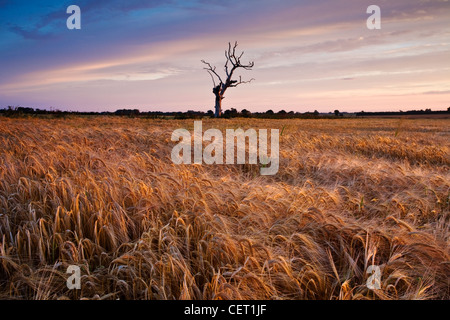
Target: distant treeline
{"type": "Point", "coordinates": [191, 114]}
{"type": "Point", "coordinates": [402, 113]}
{"type": "Point", "coordinates": [230, 113]}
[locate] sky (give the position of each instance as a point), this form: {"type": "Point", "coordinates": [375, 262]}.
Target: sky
{"type": "Point", "coordinates": [309, 55]}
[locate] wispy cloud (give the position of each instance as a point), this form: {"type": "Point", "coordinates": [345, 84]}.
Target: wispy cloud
{"type": "Point", "coordinates": [437, 92]}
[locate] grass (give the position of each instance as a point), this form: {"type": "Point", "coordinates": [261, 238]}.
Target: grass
{"type": "Point", "coordinates": [103, 194]}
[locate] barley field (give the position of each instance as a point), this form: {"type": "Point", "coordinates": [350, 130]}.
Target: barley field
{"type": "Point", "coordinates": [102, 193]}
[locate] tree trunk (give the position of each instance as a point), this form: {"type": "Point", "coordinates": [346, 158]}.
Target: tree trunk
{"type": "Point", "coordinates": [218, 106]}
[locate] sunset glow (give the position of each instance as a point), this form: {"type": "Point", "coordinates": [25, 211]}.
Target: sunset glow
{"type": "Point", "coordinates": [309, 55]}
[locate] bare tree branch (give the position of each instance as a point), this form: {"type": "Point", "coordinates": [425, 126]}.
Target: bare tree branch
{"type": "Point", "coordinates": [235, 61]}
{"type": "Point", "coordinates": [212, 70]}
{"type": "Point", "coordinates": [233, 85]}
{"type": "Point", "coordinates": [226, 64]}
{"type": "Point", "coordinates": [212, 78]}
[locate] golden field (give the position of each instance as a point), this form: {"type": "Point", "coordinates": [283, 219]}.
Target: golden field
{"type": "Point", "coordinates": [102, 193]}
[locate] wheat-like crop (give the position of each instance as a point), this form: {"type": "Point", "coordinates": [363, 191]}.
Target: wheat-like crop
{"type": "Point", "coordinates": [103, 194]}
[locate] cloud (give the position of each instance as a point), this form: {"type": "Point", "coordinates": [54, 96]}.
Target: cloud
{"type": "Point", "coordinates": [33, 34]}
{"type": "Point", "coordinates": [108, 7]}
{"type": "Point", "coordinates": [437, 92]}
{"type": "Point", "coordinates": [53, 22]}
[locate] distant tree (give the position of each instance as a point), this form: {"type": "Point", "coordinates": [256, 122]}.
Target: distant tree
{"type": "Point", "coordinates": [210, 113]}
{"type": "Point", "coordinates": [282, 112]}
{"type": "Point", "coordinates": [231, 65]}
{"type": "Point", "coordinates": [10, 111]}
{"type": "Point", "coordinates": [316, 113]}
{"type": "Point", "coordinates": [269, 112]}
{"type": "Point", "coordinates": [127, 112]}
{"type": "Point", "coordinates": [24, 110]}
{"type": "Point", "coordinates": [192, 114]}
{"type": "Point", "coordinates": [246, 114]}
{"type": "Point", "coordinates": [231, 113]}
{"type": "Point", "coordinates": [448, 109]}
{"type": "Point", "coordinates": [336, 113]}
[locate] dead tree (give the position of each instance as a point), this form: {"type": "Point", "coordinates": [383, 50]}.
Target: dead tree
{"type": "Point", "coordinates": [232, 63]}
